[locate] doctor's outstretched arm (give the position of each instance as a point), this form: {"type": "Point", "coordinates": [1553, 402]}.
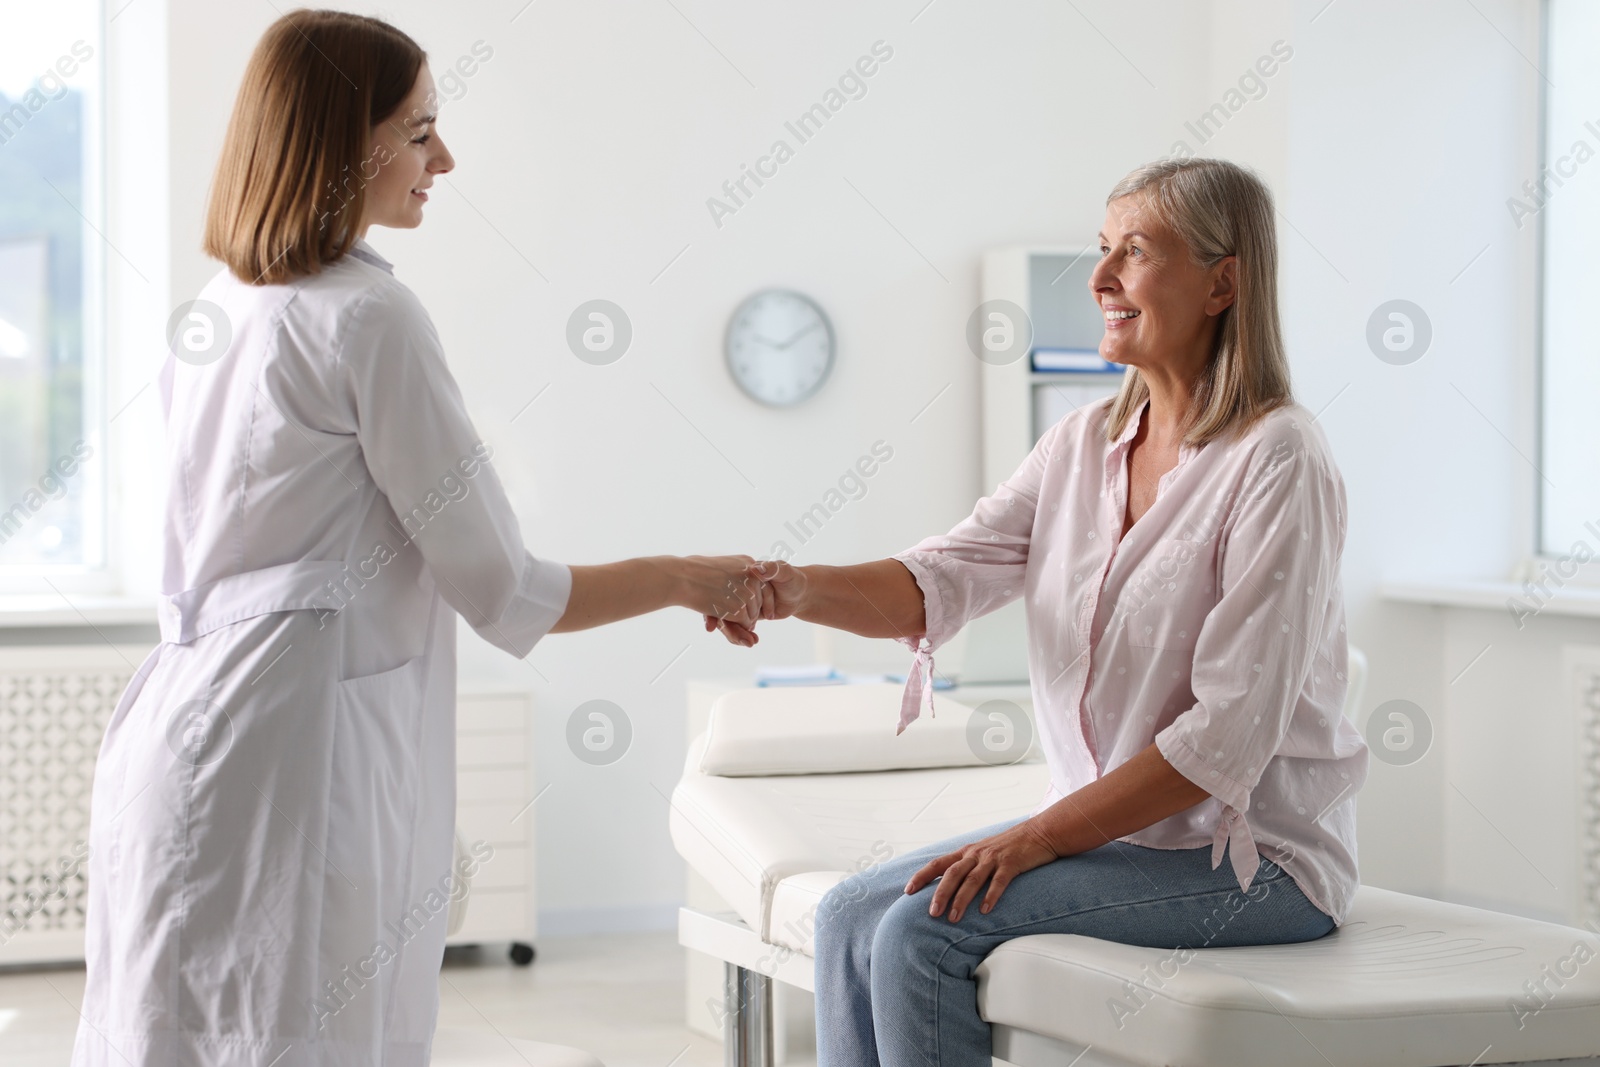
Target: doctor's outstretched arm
{"type": "Point", "coordinates": [718, 587]}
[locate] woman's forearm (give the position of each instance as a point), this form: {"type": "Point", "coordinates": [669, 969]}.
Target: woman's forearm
{"type": "Point", "coordinates": [1138, 794]}
{"type": "Point", "coordinates": [878, 599]}
{"type": "Point", "coordinates": [611, 592]}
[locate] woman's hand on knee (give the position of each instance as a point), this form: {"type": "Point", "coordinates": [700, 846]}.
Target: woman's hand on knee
{"type": "Point", "coordinates": [994, 862]}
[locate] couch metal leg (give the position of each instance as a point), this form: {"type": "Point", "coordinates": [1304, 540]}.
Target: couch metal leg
{"type": "Point", "coordinates": [747, 1019]}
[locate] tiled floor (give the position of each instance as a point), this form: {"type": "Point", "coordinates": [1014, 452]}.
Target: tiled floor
{"type": "Point", "coordinates": [618, 996]}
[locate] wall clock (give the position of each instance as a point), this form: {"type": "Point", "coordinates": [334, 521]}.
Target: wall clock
{"type": "Point", "coordinates": [779, 346]}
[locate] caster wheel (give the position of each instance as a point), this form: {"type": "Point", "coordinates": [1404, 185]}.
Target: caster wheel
{"type": "Point", "coordinates": [521, 954]}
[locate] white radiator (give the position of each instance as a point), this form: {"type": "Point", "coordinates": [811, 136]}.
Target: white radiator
{"type": "Point", "coordinates": [1582, 670]}
{"type": "Point", "coordinates": [54, 703]}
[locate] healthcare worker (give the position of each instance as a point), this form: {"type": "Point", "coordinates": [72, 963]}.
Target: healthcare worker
{"type": "Point", "coordinates": [272, 824]}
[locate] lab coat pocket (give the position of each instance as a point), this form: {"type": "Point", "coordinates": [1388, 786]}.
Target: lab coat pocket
{"type": "Point", "coordinates": [373, 791]}
{"type": "Point", "coordinates": [1167, 600]}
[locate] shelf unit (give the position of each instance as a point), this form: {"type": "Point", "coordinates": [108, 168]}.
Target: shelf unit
{"type": "Point", "coordinates": [1050, 284]}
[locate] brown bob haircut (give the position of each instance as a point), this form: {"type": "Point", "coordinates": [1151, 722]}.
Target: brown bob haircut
{"type": "Point", "coordinates": [290, 187]}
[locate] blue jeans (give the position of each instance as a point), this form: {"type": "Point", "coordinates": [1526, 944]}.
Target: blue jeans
{"type": "Point", "coordinates": [898, 987]}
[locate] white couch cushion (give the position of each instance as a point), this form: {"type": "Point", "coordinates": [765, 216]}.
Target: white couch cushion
{"type": "Point", "coordinates": [834, 730]}
{"type": "Point", "coordinates": [746, 835]}
{"type": "Point", "coordinates": [1406, 982]}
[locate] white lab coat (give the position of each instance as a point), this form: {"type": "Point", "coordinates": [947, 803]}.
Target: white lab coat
{"type": "Point", "coordinates": [271, 829]}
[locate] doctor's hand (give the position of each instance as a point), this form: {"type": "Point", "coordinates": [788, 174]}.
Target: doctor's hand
{"type": "Point", "coordinates": [782, 591]}
{"type": "Point", "coordinates": [722, 590]}
{"type": "Point", "coordinates": [994, 861]}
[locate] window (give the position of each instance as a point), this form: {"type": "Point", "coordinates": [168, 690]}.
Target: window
{"type": "Point", "coordinates": [52, 480]}
{"type": "Point", "coordinates": [1565, 200]}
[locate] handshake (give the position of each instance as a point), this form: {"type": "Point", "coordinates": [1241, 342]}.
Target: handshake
{"type": "Point", "coordinates": [739, 590]}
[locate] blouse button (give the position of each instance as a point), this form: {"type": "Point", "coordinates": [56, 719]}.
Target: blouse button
{"type": "Point", "coordinates": [1091, 535]}
{"type": "Point", "coordinates": [1183, 633]}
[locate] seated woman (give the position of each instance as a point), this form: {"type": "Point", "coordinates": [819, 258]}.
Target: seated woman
{"type": "Point", "coordinates": [1178, 549]}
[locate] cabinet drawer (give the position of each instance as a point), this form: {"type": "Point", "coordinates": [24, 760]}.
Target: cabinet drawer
{"type": "Point", "coordinates": [497, 915]}
{"type": "Point", "coordinates": [508, 868]}
{"type": "Point", "coordinates": [497, 823]}
{"type": "Point", "coordinates": [491, 749]}
{"type": "Point", "coordinates": [476, 784]}
{"type": "Point", "coordinates": [476, 714]}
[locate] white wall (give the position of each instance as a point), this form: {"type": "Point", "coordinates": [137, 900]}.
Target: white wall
{"type": "Point", "coordinates": [590, 141]}
{"type": "Point", "coordinates": [1411, 125]}
{"type": "Point", "coordinates": [589, 144]}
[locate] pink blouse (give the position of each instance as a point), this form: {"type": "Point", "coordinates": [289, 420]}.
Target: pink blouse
{"type": "Point", "coordinates": [1214, 629]}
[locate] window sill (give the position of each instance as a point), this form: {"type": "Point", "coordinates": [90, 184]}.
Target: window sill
{"type": "Point", "coordinates": [1574, 600]}
{"type": "Point", "coordinates": [47, 610]}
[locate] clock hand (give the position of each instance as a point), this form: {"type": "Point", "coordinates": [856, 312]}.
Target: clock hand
{"type": "Point", "coordinates": [802, 333]}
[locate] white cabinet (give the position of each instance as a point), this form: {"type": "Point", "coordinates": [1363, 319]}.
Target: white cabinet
{"type": "Point", "coordinates": [495, 817]}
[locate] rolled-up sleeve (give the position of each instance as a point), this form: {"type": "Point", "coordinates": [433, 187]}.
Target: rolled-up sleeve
{"type": "Point", "coordinates": [425, 456]}
{"type": "Point", "coordinates": [1278, 570]}
{"type": "Point", "coordinates": [981, 564]}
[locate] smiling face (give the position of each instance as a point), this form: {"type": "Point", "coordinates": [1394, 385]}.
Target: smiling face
{"type": "Point", "coordinates": [408, 154]}
{"type": "Point", "coordinates": [1160, 308]}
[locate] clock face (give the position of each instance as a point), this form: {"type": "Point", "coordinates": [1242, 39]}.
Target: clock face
{"type": "Point", "coordinates": [779, 346]}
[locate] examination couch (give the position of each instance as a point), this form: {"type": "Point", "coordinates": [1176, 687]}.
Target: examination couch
{"type": "Point", "coordinates": [791, 790]}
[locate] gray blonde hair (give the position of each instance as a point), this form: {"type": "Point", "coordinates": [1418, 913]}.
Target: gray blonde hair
{"type": "Point", "coordinates": [1219, 209]}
